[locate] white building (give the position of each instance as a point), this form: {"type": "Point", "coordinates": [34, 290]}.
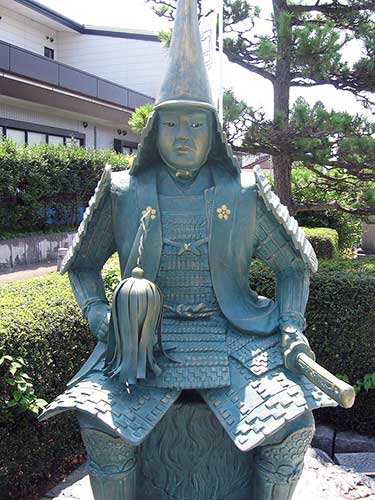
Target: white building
{"type": "Point", "coordinates": [63, 82]}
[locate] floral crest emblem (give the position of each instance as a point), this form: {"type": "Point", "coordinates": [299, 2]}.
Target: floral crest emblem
{"type": "Point", "coordinates": [223, 212]}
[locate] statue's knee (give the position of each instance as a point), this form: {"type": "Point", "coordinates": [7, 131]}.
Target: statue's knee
{"type": "Point", "coordinates": [107, 452]}
{"type": "Point", "coordinates": [305, 421]}
{"type": "Point", "coordinates": [283, 462]}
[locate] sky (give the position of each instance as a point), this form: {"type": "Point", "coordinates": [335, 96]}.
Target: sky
{"type": "Point", "coordinates": [256, 91]}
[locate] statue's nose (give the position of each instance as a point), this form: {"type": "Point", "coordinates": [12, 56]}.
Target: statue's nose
{"type": "Point", "coordinates": [182, 137]}
{"type": "Point", "coordinates": [182, 133]}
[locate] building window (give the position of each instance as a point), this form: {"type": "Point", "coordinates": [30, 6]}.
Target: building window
{"type": "Point", "coordinates": [33, 134]}
{"type": "Point", "coordinates": [35, 138]}
{"type": "Point", "coordinates": [50, 53]}
{"type": "Point", "coordinates": [55, 140]}
{"type": "Point", "coordinates": [22, 137]}
{"type": "Point", "coordinates": [125, 147]}
{"type": "Point", "coordinates": [128, 150]}
{"type": "Point", "coordinates": [18, 136]}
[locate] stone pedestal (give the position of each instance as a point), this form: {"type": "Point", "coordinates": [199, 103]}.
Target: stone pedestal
{"type": "Point", "coordinates": [189, 456]}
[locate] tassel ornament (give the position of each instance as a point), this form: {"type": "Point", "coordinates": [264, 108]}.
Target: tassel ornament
{"type": "Point", "coordinates": [136, 315]}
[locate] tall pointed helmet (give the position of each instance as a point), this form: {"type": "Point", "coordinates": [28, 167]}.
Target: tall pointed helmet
{"type": "Point", "coordinates": [185, 84]}
{"type": "Point", "coordinates": [186, 79]}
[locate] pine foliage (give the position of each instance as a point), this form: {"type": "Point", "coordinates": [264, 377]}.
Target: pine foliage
{"type": "Point", "coordinates": [306, 45]}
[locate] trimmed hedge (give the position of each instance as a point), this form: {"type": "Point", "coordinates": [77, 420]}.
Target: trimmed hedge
{"type": "Point", "coordinates": [40, 320]}
{"type": "Point", "coordinates": [325, 241]}
{"type": "Point", "coordinates": [341, 329]}
{"type": "Point", "coordinates": [36, 179]}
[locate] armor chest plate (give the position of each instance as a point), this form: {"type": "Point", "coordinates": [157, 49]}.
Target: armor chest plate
{"type": "Point", "coordinates": [193, 328]}
{"type": "Point", "coordinates": [184, 274]}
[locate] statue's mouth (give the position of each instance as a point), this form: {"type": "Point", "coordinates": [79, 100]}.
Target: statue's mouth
{"type": "Point", "coordinates": [183, 150]}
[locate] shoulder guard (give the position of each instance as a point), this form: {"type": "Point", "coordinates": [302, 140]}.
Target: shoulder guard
{"type": "Point", "coordinates": [281, 214]}
{"type": "Point", "coordinates": [95, 201]}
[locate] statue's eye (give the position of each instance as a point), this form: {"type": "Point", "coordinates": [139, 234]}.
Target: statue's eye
{"type": "Point", "coordinates": [169, 124]}
{"type": "Point", "coordinates": [196, 125]}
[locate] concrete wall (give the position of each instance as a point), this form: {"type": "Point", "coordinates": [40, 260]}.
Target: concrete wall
{"type": "Point", "coordinates": [137, 64]}
{"type": "Point", "coordinates": [26, 33]}
{"type": "Point", "coordinates": [20, 252]}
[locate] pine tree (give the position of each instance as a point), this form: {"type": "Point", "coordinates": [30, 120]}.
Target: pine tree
{"type": "Point", "coordinates": [305, 47]}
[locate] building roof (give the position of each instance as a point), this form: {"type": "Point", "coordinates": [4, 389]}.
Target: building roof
{"type": "Point", "coordinates": [86, 29]}
{"type": "Point", "coordinates": [259, 160]}
{"type": "Point", "coordinates": [33, 77]}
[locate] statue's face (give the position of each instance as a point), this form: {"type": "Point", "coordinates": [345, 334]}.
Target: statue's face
{"type": "Point", "coordinates": [184, 138]}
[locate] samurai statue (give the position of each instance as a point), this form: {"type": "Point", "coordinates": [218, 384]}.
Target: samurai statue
{"type": "Point", "coordinates": [186, 223]}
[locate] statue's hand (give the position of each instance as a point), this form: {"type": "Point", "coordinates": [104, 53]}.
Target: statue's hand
{"type": "Point", "coordinates": [293, 342]}
{"type": "Point", "coordinates": [99, 316]}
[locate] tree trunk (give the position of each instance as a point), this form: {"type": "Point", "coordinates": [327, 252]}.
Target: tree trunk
{"type": "Point", "coordinates": [282, 165]}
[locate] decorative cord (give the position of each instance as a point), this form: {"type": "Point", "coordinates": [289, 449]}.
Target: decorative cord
{"type": "Point", "coordinates": [145, 223]}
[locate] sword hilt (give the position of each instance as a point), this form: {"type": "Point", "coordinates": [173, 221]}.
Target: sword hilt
{"type": "Point", "coordinates": [337, 389]}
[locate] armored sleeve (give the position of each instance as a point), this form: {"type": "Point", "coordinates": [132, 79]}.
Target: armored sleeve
{"type": "Point", "coordinates": [92, 246]}
{"type": "Point", "coordinates": [282, 245]}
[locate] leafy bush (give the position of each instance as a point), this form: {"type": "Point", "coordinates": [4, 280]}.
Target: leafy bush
{"type": "Point", "coordinates": [40, 323]}
{"type": "Point", "coordinates": [19, 392]}
{"type": "Point", "coordinates": [341, 329]}
{"type": "Point", "coordinates": [36, 179]}
{"type": "Point", "coordinates": [8, 235]}
{"type": "Point", "coordinates": [348, 227]}
{"type": "Point", "coordinates": [324, 241]}
{"type": "Point", "coordinates": [308, 187]}
{"type": "Point", "coordinates": [139, 118]}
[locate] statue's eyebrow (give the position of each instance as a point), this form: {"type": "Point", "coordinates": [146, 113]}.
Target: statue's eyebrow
{"type": "Point", "coordinates": [168, 115]}
{"type": "Point", "coordinates": [198, 116]}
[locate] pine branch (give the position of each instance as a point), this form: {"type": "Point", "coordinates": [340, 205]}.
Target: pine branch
{"type": "Point", "coordinates": [333, 9]}
{"type": "Point", "coordinates": [352, 85]}
{"type": "Point", "coordinates": [170, 7]}
{"type": "Point", "coordinates": [168, 13]}
{"type": "Point", "coordinates": [307, 22]}
{"type": "Point", "coordinates": [331, 205]}
{"type": "Point", "coordinates": [244, 63]}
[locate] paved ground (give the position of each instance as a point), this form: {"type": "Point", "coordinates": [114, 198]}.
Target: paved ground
{"type": "Point", "coordinates": [27, 272]}
{"type": "Point", "coordinates": [321, 480]}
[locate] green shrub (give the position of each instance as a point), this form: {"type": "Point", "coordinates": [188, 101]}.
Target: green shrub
{"type": "Point", "coordinates": [324, 241]}
{"type": "Point", "coordinates": [341, 329]}
{"type": "Point", "coordinates": [52, 229]}
{"type": "Point", "coordinates": [308, 187]}
{"type": "Point", "coordinates": [41, 323]}
{"type": "Point", "coordinates": [348, 227]}
{"type": "Point", "coordinates": [139, 118]}
{"type": "Point", "coordinates": [34, 179]}
{"type": "Point", "coordinates": [18, 392]}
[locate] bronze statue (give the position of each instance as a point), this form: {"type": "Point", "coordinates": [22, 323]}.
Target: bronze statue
{"type": "Point", "coordinates": [183, 317]}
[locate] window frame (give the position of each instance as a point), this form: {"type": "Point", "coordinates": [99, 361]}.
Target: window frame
{"type": "Point", "coordinates": [41, 129]}
{"type": "Point", "coordinates": [119, 144]}
{"type": "Point", "coordinates": [51, 52]}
